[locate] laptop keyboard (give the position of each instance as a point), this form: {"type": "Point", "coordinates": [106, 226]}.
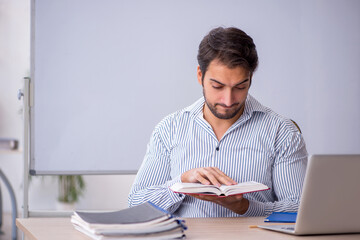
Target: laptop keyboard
{"type": "Point", "coordinates": [288, 228]}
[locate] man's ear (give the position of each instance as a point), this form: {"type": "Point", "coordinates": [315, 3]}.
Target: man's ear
{"type": "Point", "coordinates": [199, 75]}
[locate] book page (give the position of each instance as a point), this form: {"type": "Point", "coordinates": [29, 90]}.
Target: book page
{"type": "Point", "coordinates": [196, 188]}
{"type": "Point", "coordinates": [244, 187]}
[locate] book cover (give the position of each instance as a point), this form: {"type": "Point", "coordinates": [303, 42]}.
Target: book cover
{"type": "Point", "coordinates": [282, 217]}
{"type": "Point", "coordinates": [143, 213]}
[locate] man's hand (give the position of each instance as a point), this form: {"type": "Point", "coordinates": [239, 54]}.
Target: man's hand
{"type": "Point", "coordinates": [207, 176]}
{"type": "Point", "coordinates": [214, 176]}
{"type": "Point", "coordinates": [235, 203]}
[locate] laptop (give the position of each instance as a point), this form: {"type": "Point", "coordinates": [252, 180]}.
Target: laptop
{"type": "Point", "coordinates": [330, 198]}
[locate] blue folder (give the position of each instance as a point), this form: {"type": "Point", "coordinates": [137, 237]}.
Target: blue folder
{"type": "Point", "coordinates": [282, 217]}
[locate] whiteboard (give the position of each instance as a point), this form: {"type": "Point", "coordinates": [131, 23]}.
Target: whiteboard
{"type": "Point", "coordinates": [104, 73]}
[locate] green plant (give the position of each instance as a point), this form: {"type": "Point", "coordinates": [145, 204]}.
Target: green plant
{"type": "Point", "coordinates": [71, 187]}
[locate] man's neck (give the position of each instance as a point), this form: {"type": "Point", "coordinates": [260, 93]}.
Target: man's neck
{"type": "Point", "coordinates": [219, 126]}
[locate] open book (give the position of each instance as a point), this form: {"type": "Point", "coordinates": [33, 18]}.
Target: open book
{"type": "Point", "coordinates": [222, 191]}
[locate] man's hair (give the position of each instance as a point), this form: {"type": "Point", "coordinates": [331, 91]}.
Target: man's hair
{"type": "Point", "coordinates": [231, 46]}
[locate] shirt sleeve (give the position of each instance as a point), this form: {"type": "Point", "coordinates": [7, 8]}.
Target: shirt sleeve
{"type": "Point", "coordinates": [153, 179]}
{"type": "Point", "coordinates": [288, 173]}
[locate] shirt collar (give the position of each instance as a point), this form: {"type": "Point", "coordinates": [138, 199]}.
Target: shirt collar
{"type": "Point", "coordinates": [251, 106]}
{"type": "Point", "coordinates": [196, 108]}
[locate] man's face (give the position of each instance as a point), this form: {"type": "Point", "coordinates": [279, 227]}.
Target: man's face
{"type": "Point", "coordinates": [225, 89]}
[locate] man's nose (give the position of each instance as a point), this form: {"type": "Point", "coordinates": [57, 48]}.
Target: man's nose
{"type": "Point", "coordinates": [228, 97]}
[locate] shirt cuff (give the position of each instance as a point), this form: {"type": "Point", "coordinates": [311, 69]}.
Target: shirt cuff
{"type": "Point", "coordinates": [255, 209]}
{"type": "Point", "coordinates": [175, 197]}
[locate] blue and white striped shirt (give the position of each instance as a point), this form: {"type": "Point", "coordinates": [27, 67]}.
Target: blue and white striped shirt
{"type": "Point", "coordinates": [260, 146]}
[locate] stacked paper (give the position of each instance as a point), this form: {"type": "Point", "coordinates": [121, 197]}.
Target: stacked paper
{"type": "Point", "coordinates": [145, 221]}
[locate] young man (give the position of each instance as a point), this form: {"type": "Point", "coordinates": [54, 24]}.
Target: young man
{"type": "Point", "coordinates": [225, 137]}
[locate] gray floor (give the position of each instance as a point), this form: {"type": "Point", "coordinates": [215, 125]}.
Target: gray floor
{"type": "Point", "coordinates": [6, 228]}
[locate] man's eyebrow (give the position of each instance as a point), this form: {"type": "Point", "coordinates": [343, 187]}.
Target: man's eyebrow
{"type": "Point", "coordinates": [246, 80]}
{"type": "Point", "coordinates": [214, 80]}
{"type": "Point", "coordinates": [211, 79]}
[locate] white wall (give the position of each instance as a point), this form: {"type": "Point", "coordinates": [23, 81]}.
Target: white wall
{"type": "Point", "coordinates": [102, 192]}
{"type": "Point", "coordinates": [14, 65]}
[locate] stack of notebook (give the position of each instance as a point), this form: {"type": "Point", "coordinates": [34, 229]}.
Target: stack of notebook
{"type": "Point", "coordinates": [145, 221]}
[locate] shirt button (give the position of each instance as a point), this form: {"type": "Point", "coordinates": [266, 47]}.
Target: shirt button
{"type": "Point", "coordinates": [217, 149]}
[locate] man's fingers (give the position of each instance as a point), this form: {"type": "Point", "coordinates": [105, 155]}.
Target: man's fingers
{"type": "Point", "coordinates": [200, 177]}
{"type": "Point", "coordinates": [207, 175]}
{"type": "Point", "coordinates": [217, 177]}
{"type": "Point", "coordinates": [225, 179]}
{"type": "Point", "coordinates": [213, 179]}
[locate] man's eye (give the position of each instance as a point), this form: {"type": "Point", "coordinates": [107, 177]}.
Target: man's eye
{"type": "Point", "coordinates": [240, 88]}
{"type": "Point", "coordinates": [217, 87]}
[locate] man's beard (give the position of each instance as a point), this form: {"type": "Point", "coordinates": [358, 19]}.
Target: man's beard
{"type": "Point", "coordinates": [229, 113]}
